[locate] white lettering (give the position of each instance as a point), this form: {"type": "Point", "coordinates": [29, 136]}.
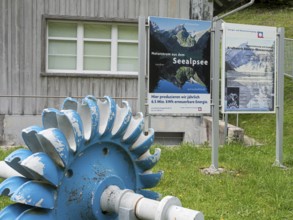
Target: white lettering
{"type": "Point", "coordinates": [190, 61]}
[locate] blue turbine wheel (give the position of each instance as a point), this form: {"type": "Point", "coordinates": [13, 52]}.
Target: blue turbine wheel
{"type": "Point", "coordinates": [75, 156]}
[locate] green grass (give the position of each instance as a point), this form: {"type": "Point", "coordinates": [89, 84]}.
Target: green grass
{"type": "Point", "coordinates": [250, 188]}
{"type": "Point", "coordinates": [4, 201]}
{"type": "Point", "coordinates": [262, 126]}
{"type": "Point", "coordinates": [276, 17]}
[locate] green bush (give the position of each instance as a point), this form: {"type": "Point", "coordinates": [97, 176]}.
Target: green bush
{"type": "Point", "coordinates": [270, 3]}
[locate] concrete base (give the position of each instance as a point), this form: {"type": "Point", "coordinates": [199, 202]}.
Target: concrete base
{"type": "Point", "coordinates": [196, 130]}
{"type": "Point", "coordinates": [233, 133]}
{"type": "Point", "coordinates": [12, 125]}
{"type": "Point", "coordinates": [192, 127]}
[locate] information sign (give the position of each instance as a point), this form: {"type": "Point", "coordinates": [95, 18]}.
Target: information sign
{"type": "Point", "coordinates": [179, 66]}
{"type": "Point", "coordinates": [248, 69]}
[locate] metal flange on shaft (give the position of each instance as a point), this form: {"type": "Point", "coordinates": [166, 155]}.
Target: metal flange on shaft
{"type": "Point", "coordinates": [82, 152]}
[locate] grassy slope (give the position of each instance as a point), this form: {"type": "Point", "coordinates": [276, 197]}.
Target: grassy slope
{"type": "Point", "coordinates": [276, 17]}
{"type": "Point", "coordinates": [262, 126]}
{"type": "Point", "coordinates": [251, 188]}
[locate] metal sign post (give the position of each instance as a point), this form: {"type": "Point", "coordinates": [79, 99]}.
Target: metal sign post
{"type": "Point", "coordinates": [215, 70]}
{"type": "Point", "coordinates": [280, 98]}
{"type": "Point", "coordinates": [142, 64]}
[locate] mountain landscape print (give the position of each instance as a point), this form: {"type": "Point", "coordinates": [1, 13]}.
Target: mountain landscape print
{"type": "Point", "coordinates": [249, 64]}
{"type": "Point", "coordinates": [179, 56]}
{"type": "Point", "coordinates": [246, 58]}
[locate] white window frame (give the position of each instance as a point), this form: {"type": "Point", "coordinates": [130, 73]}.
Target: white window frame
{"type": "Point", "coordinates": [80, 49]}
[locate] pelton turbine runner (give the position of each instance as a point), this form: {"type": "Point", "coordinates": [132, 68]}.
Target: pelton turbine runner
{"type": "Point", "coordinates": [90, 160]}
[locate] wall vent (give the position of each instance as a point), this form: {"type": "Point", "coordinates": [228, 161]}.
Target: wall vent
{"type": "Point", "coordinates": [169, 138]}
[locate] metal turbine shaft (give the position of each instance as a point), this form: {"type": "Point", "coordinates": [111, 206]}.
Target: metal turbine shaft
{"type": "Point", "coordinates": [133, 206]}
{"type": "Point", "coordinates": [71, 160]}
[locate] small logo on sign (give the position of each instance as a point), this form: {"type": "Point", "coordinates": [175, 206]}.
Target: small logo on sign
{"type": "Point", "coordinates": [260, 34]}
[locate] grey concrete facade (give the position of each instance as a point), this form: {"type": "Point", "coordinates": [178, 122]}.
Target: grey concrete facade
{"type": "Point", "coordinates": [192, 127]}
{"type": "Point", "coordinates": [26, 88]}
{"type": "Point", "coordinates": [12, 125]}
{"type": "Point", "coordinates": [196, 130]}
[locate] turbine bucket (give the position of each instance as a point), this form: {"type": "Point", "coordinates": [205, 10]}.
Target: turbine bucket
{"type": "Point", "coordinates": [73, 158]}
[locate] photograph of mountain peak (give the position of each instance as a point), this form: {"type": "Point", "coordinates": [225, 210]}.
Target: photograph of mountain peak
{"type": "Point", "coordinates": [179, 59]}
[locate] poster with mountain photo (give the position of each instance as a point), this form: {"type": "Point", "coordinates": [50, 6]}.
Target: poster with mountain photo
{"type": "Point", "coordinates": [248, 68]}
{"type": "Point", "coordinates": [179, 66]}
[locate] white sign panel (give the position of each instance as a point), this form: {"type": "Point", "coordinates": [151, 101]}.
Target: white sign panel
{"type": "Point", "coordinates": [170, 103]}
{"type": "Point", "coordinates": [248, 69]}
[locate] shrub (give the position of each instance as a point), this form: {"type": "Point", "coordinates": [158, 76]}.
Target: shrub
{"type": "Point", "coordinates": [275, 2]}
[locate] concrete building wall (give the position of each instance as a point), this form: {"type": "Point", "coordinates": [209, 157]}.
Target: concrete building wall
{"type": "Point", "coordinates": [195, 130]}
{"type": "Point", "coordinates": [25, 87]}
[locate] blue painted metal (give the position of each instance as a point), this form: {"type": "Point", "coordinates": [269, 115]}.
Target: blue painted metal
{"type": "Point", "coordinates": [43, 168]}
{"type": "Point", "coordinates": [55, 144]}
{"type": "Point", "coordinates": [28, 135]}
{"type": "Point", "coordinates": [75, 156]}
{"type": "Point", "coordinates": [14, 160]}
{"type": "Point", "coordinates": [35, 193]}
{"type": "Point", "coordinates": [13, 211]}
{"type": "Point", "coordinates": [10, 185]}
{"type": "Point", "coordinates": [36, 213]}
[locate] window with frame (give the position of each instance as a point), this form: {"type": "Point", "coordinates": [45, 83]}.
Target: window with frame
{"type": "Point", "coordinates": [92, 47]}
